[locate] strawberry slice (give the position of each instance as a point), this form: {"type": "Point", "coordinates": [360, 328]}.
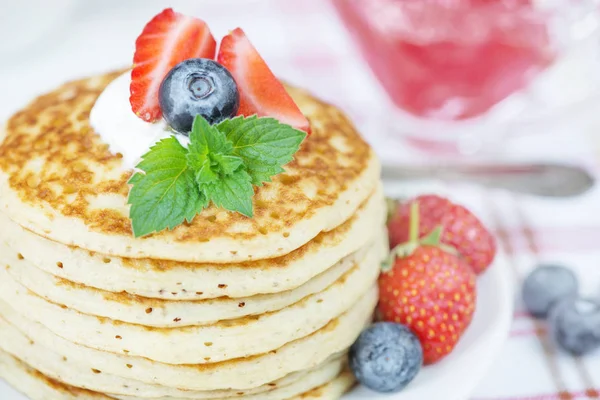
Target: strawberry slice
{"type": "Point", "coordinates": [166, 40]}
{"type": "Point", "coordinates": [261, 92]}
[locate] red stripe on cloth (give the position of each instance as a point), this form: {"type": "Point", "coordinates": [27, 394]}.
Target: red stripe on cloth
{"type": "Point", "coordinates": [549, 351]}
{"type": "Point", "coordinates": [522, 315]}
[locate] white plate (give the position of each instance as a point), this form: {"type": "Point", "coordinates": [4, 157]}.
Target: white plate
{"type": "Point", "coordinates": [456, 376]}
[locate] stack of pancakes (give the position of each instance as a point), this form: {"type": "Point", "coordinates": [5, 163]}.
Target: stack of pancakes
{"type": "Point", "coordinates": [223, 307]}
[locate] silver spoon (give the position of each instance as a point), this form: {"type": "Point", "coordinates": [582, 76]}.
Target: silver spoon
{"type": "Point", "coordinates": [544, 179]}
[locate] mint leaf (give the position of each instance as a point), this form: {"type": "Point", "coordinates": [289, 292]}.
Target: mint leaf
{"type": "Point", "coordinates": [233, 192]}
{"type": "Point", "coordinates": [195, 208]}
{"type": "Point", "coordinates": [205, 174]}
{"type": "Point", "coordinates": [166, 151]}
{"type": "Point", "coordinates": [137, 177]}
{"type": "Point", "coordinates": [166, 194]}
{"type": "Point", "coordinates": [206, 138]}
{"type": "Point", "coordinates": [227, 164]}
{"type": "Point", "coordinates": [210, 153]}
{"type": "Point", "coordinates": [264, 144]}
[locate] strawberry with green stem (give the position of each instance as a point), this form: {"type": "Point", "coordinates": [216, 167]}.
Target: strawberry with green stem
{"type": "Point", "coordinates": [430, 289]}
{"type": "Point", "coordinates": [461, 229]}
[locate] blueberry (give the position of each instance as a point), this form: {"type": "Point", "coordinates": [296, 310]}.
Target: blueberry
{"type": "Point", "coordinates": [546, 285]}
{"type": "Point", "coordinates": [386, 357]}
{"type": "Point", "coordinates": [575, 325]}
{"type": "Point", "coordinates": [198, 86]}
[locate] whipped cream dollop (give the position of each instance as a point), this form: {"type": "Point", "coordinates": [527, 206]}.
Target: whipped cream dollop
{"type": "Point", "coordinates": [125, 133]}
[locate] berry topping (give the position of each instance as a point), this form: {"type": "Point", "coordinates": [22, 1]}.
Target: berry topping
{"type": "Point", "coordinates": [575, 325]}
{"type": "Point", "coordinates": [261, 92]}
{"type": "Point", "coordinates": [198, 87]}
{"type": "Point", "coordinates": [547, 285]}
{"type": "Point", "coordinates": [461, 229]}
{"type": "Point", "coordinates": [386, 357]}
{"type": "Point", "coordinates": [430, 290]}
{"type": "Point", "coordinates": [166, 40]}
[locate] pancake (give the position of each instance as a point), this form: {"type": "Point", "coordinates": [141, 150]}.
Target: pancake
{"type": "Point", "coordinates": [93, 379]}
{"type": "Point", "coordinates": [311, 380]}
{"type": "Point", "coordinates": [47, 352]}
{"type": "Point", "coordinates": [58, 179]}
{"type": "Point", "coordinates": [222, 307]}
{"type": "Point", "coordinates": [332, 390]}
{"type": "Point", "coordinates": [282, 389]}
{"type": "Point", "coordinates": [196, 344]}
{"type": "Point", "coordinates": [184, 281]}
{"type": "Point", "coordinates": [37, 386]}
{"type": "Point", "coordinates": [360, 269]}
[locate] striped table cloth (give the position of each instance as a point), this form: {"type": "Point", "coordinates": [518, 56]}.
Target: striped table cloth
{"type": "Point", "coordinates": [304, 43]}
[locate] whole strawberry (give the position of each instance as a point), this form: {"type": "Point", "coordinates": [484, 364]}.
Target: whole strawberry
{"type": "Point", "coordinates": [430, 290]}
{"type": "Point", "coordinates": [461, 229]}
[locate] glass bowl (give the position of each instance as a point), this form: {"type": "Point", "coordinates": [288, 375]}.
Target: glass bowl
{"type": "Point", "coordinates": [464, 76]}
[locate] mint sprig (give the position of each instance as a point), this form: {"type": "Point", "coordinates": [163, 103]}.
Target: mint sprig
{"type": "Point", "coordinates": [220, 165]}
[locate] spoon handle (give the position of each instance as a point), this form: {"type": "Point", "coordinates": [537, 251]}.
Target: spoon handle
{"type": "Point", "coordinates": [543, 179]}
